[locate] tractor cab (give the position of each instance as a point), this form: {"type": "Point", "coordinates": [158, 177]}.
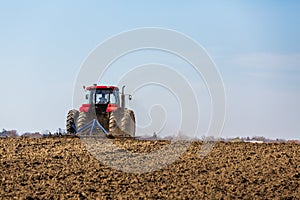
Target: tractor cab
{"type": "Point", "coordinates": [101, 98]}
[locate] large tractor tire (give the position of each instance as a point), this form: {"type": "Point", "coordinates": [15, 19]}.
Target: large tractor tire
{"type": "Point", "coordinates": [71, 121]}
{"type": "Point", "coordinates": [81, 120]}
{"type": "Point", "coordinates": [112, 124]}
{"type": "Point", "coordinates": [128, 123]}
{"type": "Point", "coordinates": [115, 123]}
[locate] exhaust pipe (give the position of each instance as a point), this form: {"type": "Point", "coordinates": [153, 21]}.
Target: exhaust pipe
{"type": "Point", "coordinates": [123, 98]}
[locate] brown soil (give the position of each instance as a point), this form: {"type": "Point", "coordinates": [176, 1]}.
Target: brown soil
{"type": "Point", "coordinates": [60, 168]}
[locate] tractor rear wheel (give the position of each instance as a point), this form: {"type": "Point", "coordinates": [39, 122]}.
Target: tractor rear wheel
{"type": "Point", "coordinates": [112, 125]}
{"type": "Point", "coordinates": [82, 120]}
{"type": "Point", "coordinates": [115, 123]}
{"type": "Point", "coordinates": [71, 120]}
{"type": "Point", "coordinates": [128, 123]}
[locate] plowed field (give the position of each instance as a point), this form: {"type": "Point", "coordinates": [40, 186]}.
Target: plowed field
{"type": "Point", "coordinates": [59, 168]}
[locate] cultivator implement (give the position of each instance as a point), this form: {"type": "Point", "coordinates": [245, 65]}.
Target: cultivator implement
{"type": "Point", "coordinates": [93, 126]}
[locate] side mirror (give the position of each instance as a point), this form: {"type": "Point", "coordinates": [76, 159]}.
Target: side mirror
{"type": "Point", "coordinates": [86, 96]}
{"type": "Point", "coordinates": [130, 97]}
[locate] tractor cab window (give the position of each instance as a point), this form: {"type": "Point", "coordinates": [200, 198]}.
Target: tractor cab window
{"type": "Point", "coordinates": [105, 96]}
{"type": "Point", "coordinates": [112, 98]}
{"type": "Point", "coordinates": [101, 97]}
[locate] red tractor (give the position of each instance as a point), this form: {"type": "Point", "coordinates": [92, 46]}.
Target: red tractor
{"type": "Point", "coordinates": [104, 105]}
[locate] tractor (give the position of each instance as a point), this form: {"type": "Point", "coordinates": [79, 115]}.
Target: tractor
{"type": "Point", "coordinates": [104, 104]}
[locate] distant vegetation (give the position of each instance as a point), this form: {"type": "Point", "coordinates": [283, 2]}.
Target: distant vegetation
{"type": "Point", "coordinates": [10, 133]}
{"type": "Point", "coordinates": [258, 139]}
{"type": "Point", "coordinates": [14, 133]}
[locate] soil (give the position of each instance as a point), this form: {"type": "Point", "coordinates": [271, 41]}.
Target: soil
{"type": "Point", "coordinates": [60, 168]}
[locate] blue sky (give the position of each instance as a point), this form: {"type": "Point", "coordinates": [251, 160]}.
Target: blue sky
{"type": "Point", "coordinates": [255, 44]}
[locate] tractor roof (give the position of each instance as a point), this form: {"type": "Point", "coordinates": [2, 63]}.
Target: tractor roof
{"type": "Point", "coordinates": [102, 87]}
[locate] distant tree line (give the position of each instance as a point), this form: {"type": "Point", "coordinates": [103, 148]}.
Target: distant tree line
{"type": "Point", "coordinates": [10, 133]}
{"type": "Point", "coordinates": [13, 133]}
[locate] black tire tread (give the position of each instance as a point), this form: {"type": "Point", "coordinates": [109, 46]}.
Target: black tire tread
{"type": "Point", "coordinates": [82, 120]}
{"type": "Point", "coordinates": [71, 120]}
{"type": "Point", "coordinates": [128, 123]}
